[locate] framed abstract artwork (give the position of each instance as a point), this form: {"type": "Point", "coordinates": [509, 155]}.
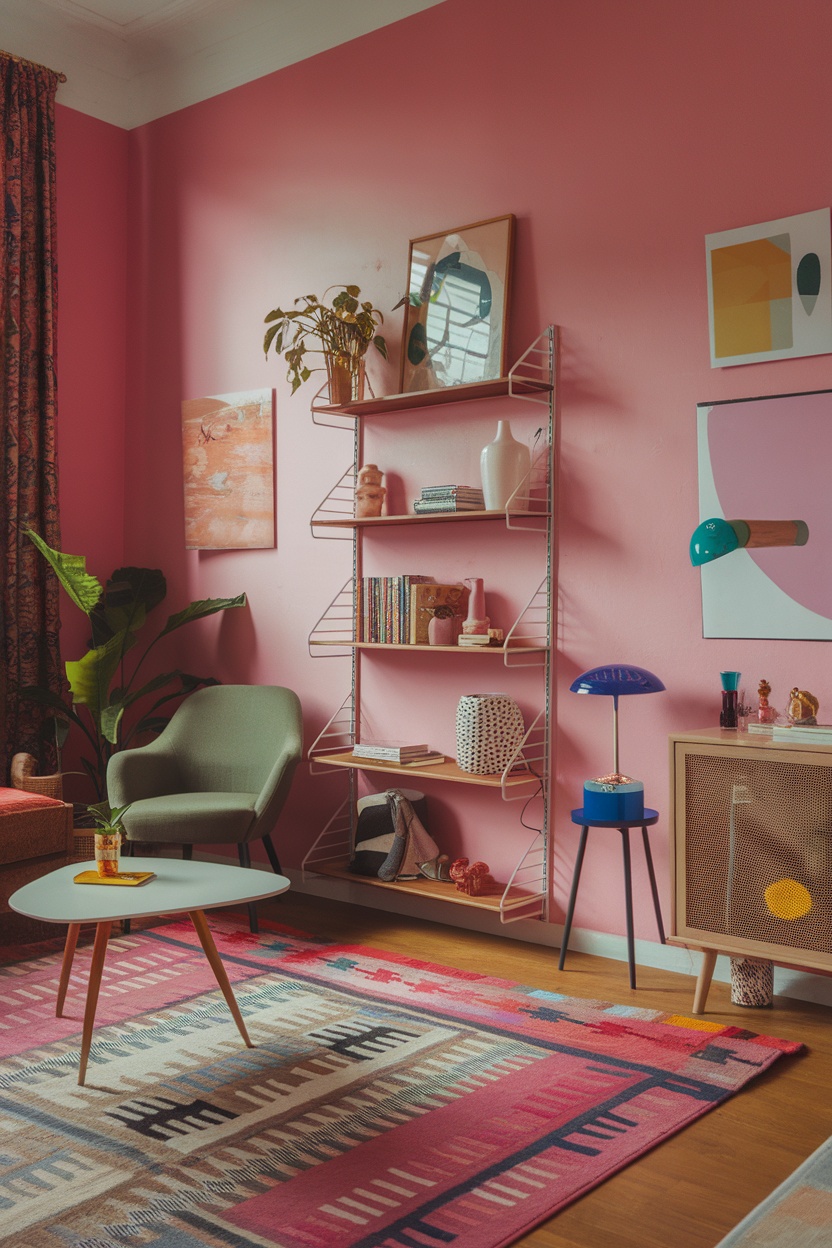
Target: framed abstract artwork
{"type": "Point", "coordinates": [456, 306]}
{"type": "Point", "coordinates": [228, 461]}
{"type": "Point", "coordinates": [770, 290]}
{"type": "Point", "coordinates": [767, 459]}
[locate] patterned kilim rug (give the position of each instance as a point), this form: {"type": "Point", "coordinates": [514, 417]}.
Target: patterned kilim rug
{"type": "Point", "coordinates": [387, 1102]}
{"type": "Point", "coordinates": [797, 1214]}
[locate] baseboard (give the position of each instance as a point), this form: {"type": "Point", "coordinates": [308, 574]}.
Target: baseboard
{"type": "Point", "coordinates": [799, 985]}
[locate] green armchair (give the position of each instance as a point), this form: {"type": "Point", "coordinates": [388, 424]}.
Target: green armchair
{"type": "Point", "coordinates": [219, 774]}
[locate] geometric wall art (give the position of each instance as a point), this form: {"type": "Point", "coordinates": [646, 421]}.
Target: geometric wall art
{"type": "Point", "coordinates": [768, 459]}
{"type": "Point", "coordinates": [228, 462]}
{"type": "Point", "coordinates": [770, 290]}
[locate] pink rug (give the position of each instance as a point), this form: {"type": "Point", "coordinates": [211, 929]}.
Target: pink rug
{"type": "Point", "coordinates": [387, 1102]}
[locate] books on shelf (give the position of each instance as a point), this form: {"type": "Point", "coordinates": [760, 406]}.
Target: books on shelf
{"type": "Point", "coordinates": [437, 498]}
{"type": "Point", "coordinates": [383, 608]}
{"type": "Point", "coordinates": [392, 752]}
{"type": "Point", "coordinates": [403, 755]}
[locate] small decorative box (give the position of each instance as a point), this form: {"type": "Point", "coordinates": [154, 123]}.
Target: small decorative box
{"type": "Point", "coordinates": [609, 802]}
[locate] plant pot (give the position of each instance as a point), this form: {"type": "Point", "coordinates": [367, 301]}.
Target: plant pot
{"type": "Point", "coordinates": [345, 377]}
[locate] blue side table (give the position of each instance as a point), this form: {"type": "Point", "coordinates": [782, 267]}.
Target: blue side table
{"type": "Point", "coordinates": [649, 818]}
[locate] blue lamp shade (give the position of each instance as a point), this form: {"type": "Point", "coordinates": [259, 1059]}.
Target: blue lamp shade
{"type": "Point", "coordinates": [615, 680]}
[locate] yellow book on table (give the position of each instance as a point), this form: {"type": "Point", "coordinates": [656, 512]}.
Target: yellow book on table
{"type": "Point", "coordinates": [128, 878]}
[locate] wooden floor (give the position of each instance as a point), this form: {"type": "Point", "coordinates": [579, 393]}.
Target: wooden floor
{"type": "Point", "coordinates": [697, 1185]}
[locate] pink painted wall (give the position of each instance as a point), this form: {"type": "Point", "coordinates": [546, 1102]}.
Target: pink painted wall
{"type": "Point", "coordinates": [619, 135]}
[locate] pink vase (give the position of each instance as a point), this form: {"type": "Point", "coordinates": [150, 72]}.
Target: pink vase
{"type": "Point", "coordinates": [442, 630]}
{"type": "Point", "coordinates": [477, 621]}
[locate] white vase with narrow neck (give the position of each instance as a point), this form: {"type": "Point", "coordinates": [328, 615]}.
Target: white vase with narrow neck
{"type": "Point", "coordinates": [503, 465]}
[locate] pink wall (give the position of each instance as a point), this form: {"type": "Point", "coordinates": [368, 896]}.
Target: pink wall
{"type": "Point", "coordinates": [619, 135]}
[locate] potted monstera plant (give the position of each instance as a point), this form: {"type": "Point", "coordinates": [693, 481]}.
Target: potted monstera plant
{"type": "Point", "coordinates": [104, 683]}
{"type": "Point", "coordinates": [342, 328]}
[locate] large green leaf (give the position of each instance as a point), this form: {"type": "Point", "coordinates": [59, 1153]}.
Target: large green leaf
{"type": "Point", "coordinates": [91, 676]}
{"type": "Point", "coordinates": [199, 610]}
{"type": "Point", "coordinates": [130, 593]}
{"type": "Point", "coordinates": [71, 570]}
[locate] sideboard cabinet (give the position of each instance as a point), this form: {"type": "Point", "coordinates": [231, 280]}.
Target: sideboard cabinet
{"type": "Point", "coordinates": [751, 856]}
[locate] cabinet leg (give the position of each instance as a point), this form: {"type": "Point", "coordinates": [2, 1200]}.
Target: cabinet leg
{"type": "Point", "coordinates": [573, 893]}
{"type": "Point", "coordinates": [703, 982]}
{"type": "Point", "coordinates": [628, 904]}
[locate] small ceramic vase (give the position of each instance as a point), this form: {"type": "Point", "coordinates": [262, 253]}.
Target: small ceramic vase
{"type": "Point", "coordinates": [503, 465]}
{"type": "Point", "coordinates": [489, 730]}
{"type": "Point", "coordinates": [442, 627]}
{"type": "Point", "coordinates": [476, 621]}
{"type": "Point", "coordinates": [370, 493]}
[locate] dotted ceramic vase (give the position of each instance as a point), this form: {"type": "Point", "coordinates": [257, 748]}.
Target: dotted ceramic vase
{"type": "Point", "coordinates": [489, 729]}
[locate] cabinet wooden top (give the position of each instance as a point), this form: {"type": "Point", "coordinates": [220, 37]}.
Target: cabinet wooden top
{"type": "Point", "coordinates": [744, 740]}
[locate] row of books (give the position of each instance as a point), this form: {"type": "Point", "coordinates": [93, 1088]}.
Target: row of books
{"type": "Point", "coordinates": [420, 755]}
{"type": "Point", "coordinates": [396, 610]}
{"type": "Point", "coordinates": [436, 498]}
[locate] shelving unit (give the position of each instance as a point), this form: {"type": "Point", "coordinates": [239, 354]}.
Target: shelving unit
{"type": "Point", "coordinates": [527, 642]}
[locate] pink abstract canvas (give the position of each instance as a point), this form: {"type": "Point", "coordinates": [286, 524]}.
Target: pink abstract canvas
{"type": "Point", "coordinates": [228, 456]}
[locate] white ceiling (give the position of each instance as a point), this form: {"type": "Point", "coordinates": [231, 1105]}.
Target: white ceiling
{"type": "Point", "coordinates": [129, 61]}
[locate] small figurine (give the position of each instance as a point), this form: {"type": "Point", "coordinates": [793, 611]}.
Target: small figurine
{"type": "Point", "coordinates": [370, 493]}
{"type": "Point", "coordinates": [803, 707]}
{"type": "Point", "coordinates": [765, 714]}
{"type": "Point", "coordinates": [475, 878]}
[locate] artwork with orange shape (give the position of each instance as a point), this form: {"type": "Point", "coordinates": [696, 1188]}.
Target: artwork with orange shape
{"type": "Point", "coordinates": [228, 459]}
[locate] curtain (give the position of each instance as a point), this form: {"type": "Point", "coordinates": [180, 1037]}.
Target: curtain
{"type": "Point", "coordinates": [29, 485]}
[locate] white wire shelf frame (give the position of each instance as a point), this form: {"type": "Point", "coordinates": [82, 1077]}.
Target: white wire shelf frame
{"type": "Point", "coordinates": [337, 735]}
{"type": "Point", "coordinates": [531, 377]}
{"type": "Point", "coordinates": [337, 509]}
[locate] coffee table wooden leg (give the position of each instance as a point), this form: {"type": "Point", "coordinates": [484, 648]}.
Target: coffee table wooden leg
{"type": "Point", "coordinates": [203, 931]}
{"type": "Point", "coordinates": [703, 982]}
{"type": "Point", "coordinates": [66, 966]}
{"type": "Point", "coordinates": [99, 951]}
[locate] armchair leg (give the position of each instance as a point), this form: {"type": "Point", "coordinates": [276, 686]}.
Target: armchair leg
{"type": "Point", "coordinates": [272, 854]}
{"type": "Point", "coordinates": [244, 855]}
{"type": "Point", "coordinates": [187, 852]}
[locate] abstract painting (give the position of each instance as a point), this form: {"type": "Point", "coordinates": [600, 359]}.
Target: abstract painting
{"type": "Point", "coordinates": [767, 459]}
{"type": "Point", "coordinates": [456, 306]}
{"type": "Point", "coordinates": [769, 290]}
{"type": "Point", "coordinates": [228, 454]}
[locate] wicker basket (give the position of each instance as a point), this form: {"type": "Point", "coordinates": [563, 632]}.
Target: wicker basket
{"type": "Point", "coordinates": [23, 778]}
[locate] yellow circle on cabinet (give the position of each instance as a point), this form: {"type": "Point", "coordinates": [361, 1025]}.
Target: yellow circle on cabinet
{"type": "Point", "coordinates": [788, 899]}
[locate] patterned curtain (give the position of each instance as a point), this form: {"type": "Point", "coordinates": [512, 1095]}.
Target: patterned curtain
{"type": "Point", "coordinates": [29, 485]}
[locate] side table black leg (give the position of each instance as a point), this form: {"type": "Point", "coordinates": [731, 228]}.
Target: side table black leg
{"type": "Point", "coordinates": [573, 893]}
{"type": "Point", "coordinates": [654, 890]}
{"type": "Point", "coordinates": [628, 903]}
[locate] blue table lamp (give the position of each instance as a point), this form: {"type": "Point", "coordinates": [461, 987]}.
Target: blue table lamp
{"type": "Point", "coordinates": [614, 797]}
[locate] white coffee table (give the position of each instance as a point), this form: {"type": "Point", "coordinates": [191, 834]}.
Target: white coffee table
{"type": "Point", "coordinates": [180, 887]}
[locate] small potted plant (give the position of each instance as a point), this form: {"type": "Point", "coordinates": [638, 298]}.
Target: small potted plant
{"type": "Point", "coordinates": [344, 327]}
{"type": "Point", "coordinates": [108, 832]}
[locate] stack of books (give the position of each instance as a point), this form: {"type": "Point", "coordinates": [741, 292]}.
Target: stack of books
{"type": "Point", "coordinates": [821, 734]}
{"type": "Point", "coordinates": [404, 755]}
{"type": "Point", "coordinates": [448, 498]}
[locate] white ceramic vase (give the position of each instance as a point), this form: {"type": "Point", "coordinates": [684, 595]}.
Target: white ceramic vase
{"type": "Point", "coordinates": [503, 465]}
{"type": "Point", "coordinates": [489, 729]}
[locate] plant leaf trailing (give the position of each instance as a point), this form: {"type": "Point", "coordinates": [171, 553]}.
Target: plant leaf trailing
{"type": "Point", "coordinates": [116, 612]}
{"type": "Point", "coordinates": [345, 327]}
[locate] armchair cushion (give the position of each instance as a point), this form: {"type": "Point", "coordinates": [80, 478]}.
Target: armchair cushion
{"type": "Point", "coordinates": [192, 818]}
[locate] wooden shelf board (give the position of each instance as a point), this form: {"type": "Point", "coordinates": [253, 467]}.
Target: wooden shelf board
{"type": "Point", "coordinates": [368, 522]}
{"type": "Point", "coordinates": [383, 645]}
{"type": "Point", "coordinates": [437, 517]}
{"type": "Point", "coordinates": [439, 771]}
{"type": "Point", "coordinates": [436, 890]}
{"type": "Point", "coordinates": [436, 398]}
